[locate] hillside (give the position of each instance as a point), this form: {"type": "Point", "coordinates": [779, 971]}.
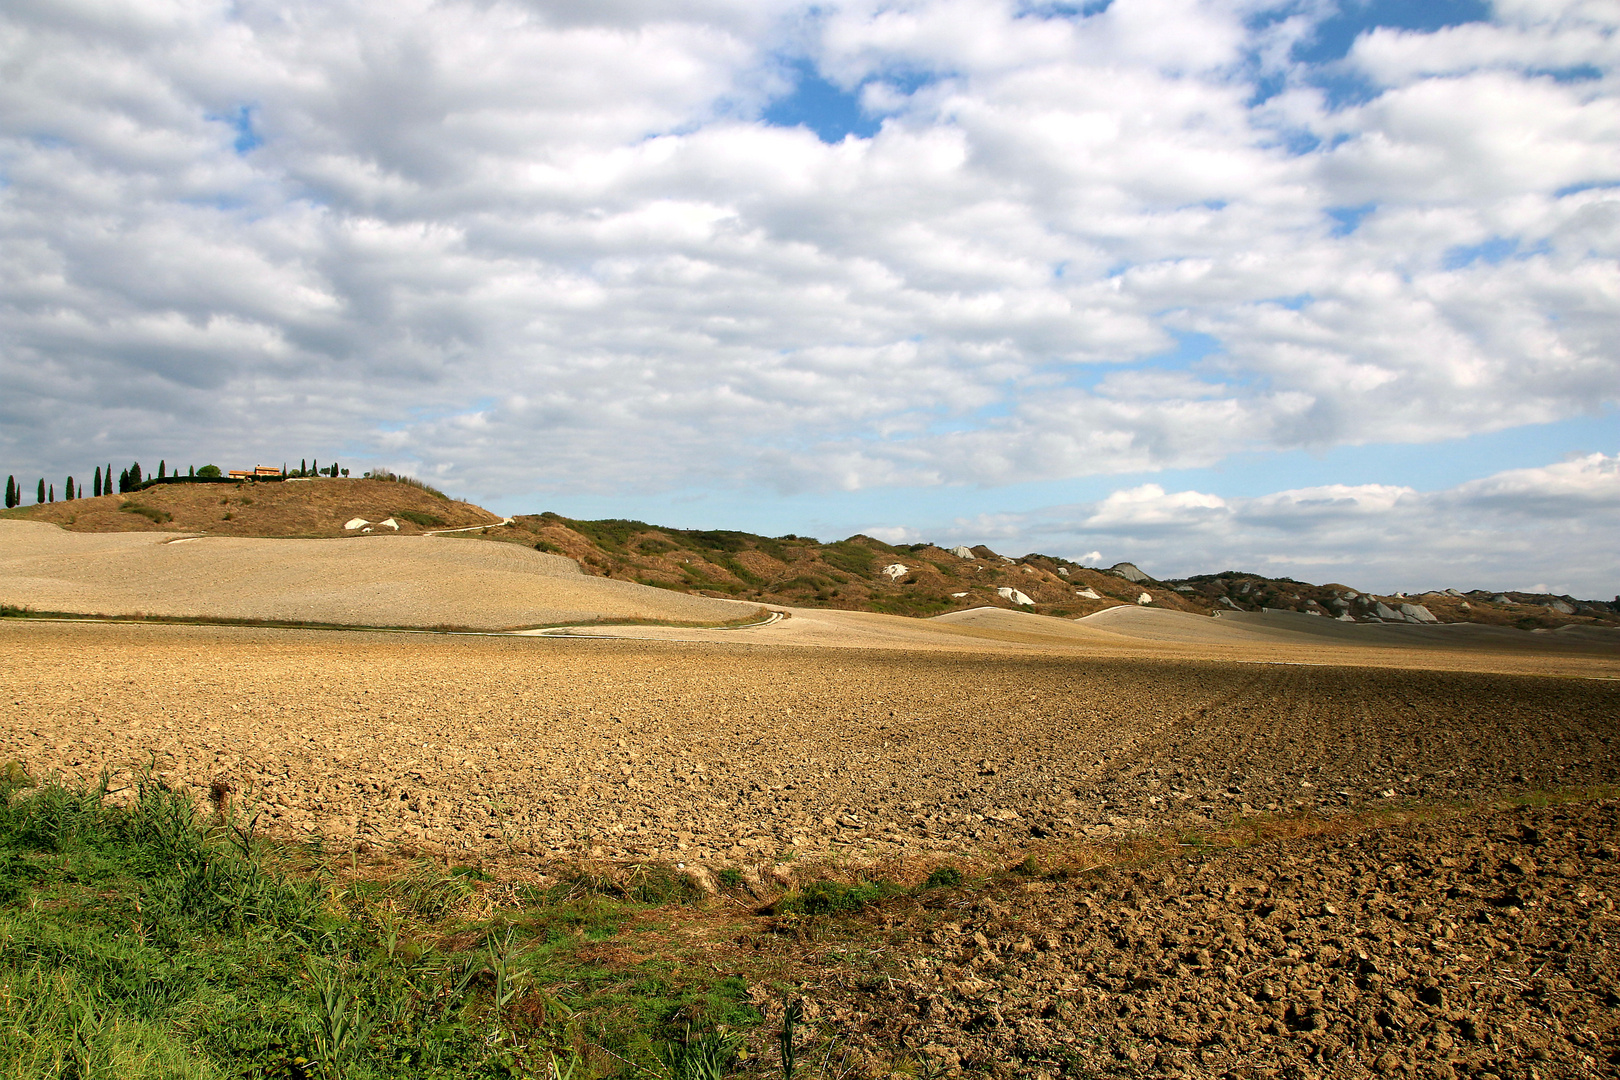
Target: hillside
{"type": "Point", "coordinates": [865, 574]}
{"type": "Point", "coordinates": [286, 508]}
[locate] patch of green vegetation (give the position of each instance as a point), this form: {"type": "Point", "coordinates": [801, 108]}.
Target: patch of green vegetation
{"type": "Point", "coordinates": [145, 938]}
{"type": "Point", "coordinates": [835, 897]}
{"type": "Point", "coordinates": [151, 513]}
{"type": "Point", "coordinates": [943, 877]}
{"type": "Point", "coordinates": [849, 556]}
{"type": "Point", "coordinates": [417, 517]}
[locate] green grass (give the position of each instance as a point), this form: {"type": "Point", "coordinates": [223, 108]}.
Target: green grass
{"type": "Point", "coordinates": [143, 937]}
{"type": "Point", "coordinates": [417, 517]}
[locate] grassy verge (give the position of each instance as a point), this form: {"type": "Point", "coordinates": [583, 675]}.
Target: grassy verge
{"type": "Point", "coordinates": [140, 937]}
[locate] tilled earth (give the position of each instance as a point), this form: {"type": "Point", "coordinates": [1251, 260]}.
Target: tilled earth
{"type": "Point", "coordinates": [1485, 945]}
{"type": "Point", "coordinates": [1438, 943]}
{"type": "Point", "coordinates": [540, 749]}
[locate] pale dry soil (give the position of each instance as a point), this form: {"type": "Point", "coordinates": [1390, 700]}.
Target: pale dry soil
{"type": "Point", "coordinates": [419, 581]}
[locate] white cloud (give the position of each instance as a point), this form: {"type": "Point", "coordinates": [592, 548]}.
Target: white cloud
{"type": "Point", "coordinates": [1554, 523]}
{"type": "Point", "coordinates": [538, 248]}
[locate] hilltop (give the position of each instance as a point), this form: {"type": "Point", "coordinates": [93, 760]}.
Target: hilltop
{"type": "Point", "coordinates": [313, 507]}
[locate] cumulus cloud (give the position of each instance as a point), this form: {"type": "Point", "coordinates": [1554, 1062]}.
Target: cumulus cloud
{"type": "Point", "coordinates": [1516, 529]}
{"type": "Point", "coordinates": [535, 248]}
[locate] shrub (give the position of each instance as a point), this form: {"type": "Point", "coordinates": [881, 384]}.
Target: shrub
{"type": "Point", "coordinates": [151, 513]}
{"type": "Point", "coordinates": [395, 478]}
{"type": "Point", "coordinates": [417, 517]}
{"type": "Point", "coordinates": [943, 877]}
{"type": "Point", "coordinates": [209, 472]}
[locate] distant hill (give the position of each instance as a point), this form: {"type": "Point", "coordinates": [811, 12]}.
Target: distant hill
{"type": "Point", "coordinates": [857, 574]}
{"type": "Point", "coordinates": [303, 507]}
{"type": "Point", "coordinates": [865, 574]}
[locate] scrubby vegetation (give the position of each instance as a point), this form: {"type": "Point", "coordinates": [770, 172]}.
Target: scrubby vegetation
{"type": "Point", "coordinates": [143, 937]}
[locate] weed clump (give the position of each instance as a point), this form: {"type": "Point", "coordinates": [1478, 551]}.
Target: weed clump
{"type": "Point", "coordinates": [943, 877]}
{"type": "Point", "coordinates": [835, 897]}
{"type": "Point", "coordinates": [151, 513]}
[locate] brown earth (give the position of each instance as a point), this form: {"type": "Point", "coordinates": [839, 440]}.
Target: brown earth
{"type": "Point", "coordinates": [722, 755]}
{"type": "Point", "coordinates": [1485, 946]}
{"type": "Point", "coordinates": [1425, 944]}
{"type": "Point", "coordinates": [303, 507]}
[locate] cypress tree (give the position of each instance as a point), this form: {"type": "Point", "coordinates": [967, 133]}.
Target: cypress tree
{"type": "Point", "coordinates": [53, 493]}
{"type": "Point", "coordinates": [40, 498]}
{"type": "Point", "coordinates": [163, 468]}
{"type": "Point", "coordinates": [123, 481]}
{"type": "Point", "coordinates": [191, 471]}
{"type": "Point", "coordinates": [97, 488]}
{"type": "Point", "coordinates": [134, 475]}
{"type": "Point", "coordinates": [67, 492]}
{"type": "Point", "coordinates": [302, 466]}
{"type": "Point", "coordinates": [106, 484]}
{"type": "Point", "coordinates": [11, 492]}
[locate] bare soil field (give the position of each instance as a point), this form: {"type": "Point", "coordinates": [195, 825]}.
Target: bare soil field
{"type": "Point", "coordinates": [1481, 945]}
{"type": "Point", "coordinates": [1333, 914]}
{"type": "Point", "coordinates": [744, 754]}
{"type": "Point", "coordinates": [419, 581]}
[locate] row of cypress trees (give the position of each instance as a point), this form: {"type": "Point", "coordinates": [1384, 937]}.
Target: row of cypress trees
{"type": "Point", "coordinates": [130, 480]}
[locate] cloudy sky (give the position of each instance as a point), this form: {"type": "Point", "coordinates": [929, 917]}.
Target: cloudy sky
{"type": "Point", "coordinates": [1325, 288]}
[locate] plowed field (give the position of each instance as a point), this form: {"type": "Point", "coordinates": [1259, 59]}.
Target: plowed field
{"type": "Point", "coordinates": [723, 754]}
{"type": "Point", "coordinates": [1435, 944]}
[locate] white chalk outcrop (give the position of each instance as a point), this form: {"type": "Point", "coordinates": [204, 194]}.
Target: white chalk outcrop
{"type": "Point", "coordinates": [962, 551]}
{"type": "Point", "coordinates": [1015, 596]}
{"type": "Point", "coordinates": [1088, 592]}
{"type": "Point", "coordinates": [1417, 613]}
{"type": "Point", "coordinates": [356, 523]}
{"type": "Point", "coordinates": [894, 571]}
{"type": "Point", "coordinates": [1144, 599]}
{"type": "Point", "coordinates": [1130, 572]}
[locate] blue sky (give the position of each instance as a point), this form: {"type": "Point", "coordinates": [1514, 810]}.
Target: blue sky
{"type": "Point", "coordinates": [1195, 283]}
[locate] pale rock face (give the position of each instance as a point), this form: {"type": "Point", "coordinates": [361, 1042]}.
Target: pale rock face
{"type": "Point", "coordinates": [1561, 607]}
{"type": "Point", "coordinates": [1384, 611]}
{"type": "Point", "coordinates": [958, 595]}
{"type": "Point", "coordinates": [1130, 572]}
{"type": "Point", "coordinates": [1227, 600]}
{"type": "Point", "coordinates": [1015, 596]}
{"type": "Point", "coordinates": [390, 523]}
{"type": "Point", "coordinates": [1418, 613]}
{"type": "Point", "coordinates": [1347, 617]}
{"type": "Point", "coordinates": [1144, 599]}
{"type": "Point", "coordinates": [1063, 571]}
{"type": "Point", "coordinates": [1185, 588]}
{"type": "Point", "coordinates": [1088, 592]}
{"type": "Point", "coordinates": [356, 523]}
{"type": "Point", "coordinates": [962, 551]}
{"type": "Point", "coordinates": [894, 571]}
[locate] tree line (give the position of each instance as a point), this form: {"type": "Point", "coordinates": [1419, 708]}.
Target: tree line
{"type": "Point", "coordinates": [133, 479]}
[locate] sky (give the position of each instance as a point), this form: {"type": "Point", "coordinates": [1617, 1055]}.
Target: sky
{"type": "Point", "coordinates": [1327, 289]}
